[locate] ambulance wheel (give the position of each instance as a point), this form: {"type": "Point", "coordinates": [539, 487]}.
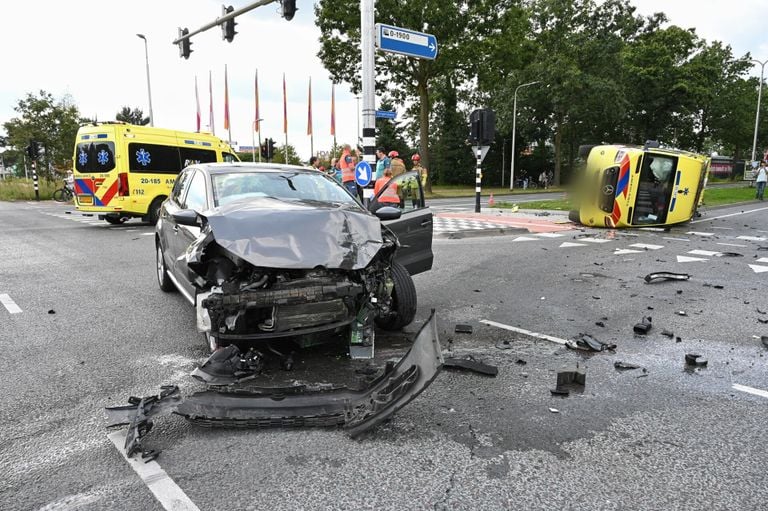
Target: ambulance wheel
{"type": "Point", "coordinates": [403, 301]}
{"type": "Point", "coordinates": [573, 216]}
{"type": "Point", "coordinates": [115, 219]}
{"type": "Point", "coordinates": [154, 210]}
{"type": "Point", "coordinates": [163, 280]}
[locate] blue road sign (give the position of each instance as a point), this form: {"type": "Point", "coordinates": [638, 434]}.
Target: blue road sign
{"type": "Point", "coordinates": [363, 173]}
{"type": "Point", "coordinates": [406, 42]}
{"type": "Point", "coordinates": [385, 114]}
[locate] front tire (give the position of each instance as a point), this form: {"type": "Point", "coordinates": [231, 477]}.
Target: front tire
{"type": "Point", "coordinates": [403, 300]}
{"type": "Point", "coordinates": [154, 210]}
{"type": "Point", "coordinates": [163, 280]}
{"type": "Point", "coordinates": [115, 220]}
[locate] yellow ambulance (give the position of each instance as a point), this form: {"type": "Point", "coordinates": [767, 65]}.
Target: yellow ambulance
{"type": "Point", "coordinates": [123, 171]}
{"type": "Point", "coordinates": [632, 186]}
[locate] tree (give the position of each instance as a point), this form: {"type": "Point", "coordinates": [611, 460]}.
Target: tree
{"type": "Point", "coordinates": [135, 116]}
{"type": "Point", "coordinates": [53, 124]}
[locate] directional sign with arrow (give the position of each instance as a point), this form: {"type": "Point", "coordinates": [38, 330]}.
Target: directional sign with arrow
{"type": "Point", "coordinates": [363, 173]}
{"type": "Point", "coordinates": [406, 42]}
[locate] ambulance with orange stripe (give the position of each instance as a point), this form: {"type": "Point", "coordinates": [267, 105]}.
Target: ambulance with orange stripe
{"type": "Point", "coordinates": [123, 171]}
{"type": "Point", "coordinates": [630, 186]}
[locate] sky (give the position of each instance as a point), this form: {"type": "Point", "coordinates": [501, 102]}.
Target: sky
{"type": "Point", "coordinates": [90, 51]}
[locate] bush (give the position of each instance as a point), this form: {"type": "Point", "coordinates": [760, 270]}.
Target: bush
{"type": "Point", "coordinates": [23, 189]}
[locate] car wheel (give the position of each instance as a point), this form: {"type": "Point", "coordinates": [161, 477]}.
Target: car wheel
{"type": "Point", "coordinates": [403, 301]}
{"type": "Point", "coordinates": [154, 210]}
{"type": "Point", "coordinates": [162, 272]}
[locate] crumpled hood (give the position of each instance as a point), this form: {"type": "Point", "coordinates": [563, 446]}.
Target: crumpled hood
{"type": "Point", "coordinates": [272, 233]}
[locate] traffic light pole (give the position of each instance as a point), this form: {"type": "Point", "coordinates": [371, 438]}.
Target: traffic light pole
{"type": "Point", "coordinates": [367, 32]}
{"type": "Point", "coordinates": [478, 178]}
{"type": "Point", "coordinates": [34, 180]}
{"type": "Point", "coordinates": [222, 19]}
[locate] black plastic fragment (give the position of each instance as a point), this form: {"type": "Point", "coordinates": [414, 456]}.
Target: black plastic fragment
{"type": "Point", "coordinates": [667, 333]}
{"type": "Point", "coordinates": [665, 275]}
{"type": "Point", "coordinates": [644, 326]}
{"type": "Point", "coordinates": [520, 362]}
{"type": "Point", "coordinates": [463, 329]}
{"type": "Point", "coordinates": [600, 323]}
{"type": "Point", "coordinates": [764, 340]}
{"type": "Point", "coordinates": [228, 366]}
{"type": "Point", "coordinates": [586, 342]}
{"type": "Point", "coordinates": [470, 364]}
{"type": "Point", "coordinates": [763, 321]}
{"type": "Point", "coordinates": [693, 359]}
{"type": "Point", "coordinates": [621, 366]}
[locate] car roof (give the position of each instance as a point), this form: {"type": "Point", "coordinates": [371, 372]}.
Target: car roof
{"type": "Point", "coordinates": [228, 168]}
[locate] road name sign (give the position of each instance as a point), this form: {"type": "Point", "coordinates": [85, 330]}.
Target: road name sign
{"type": "Point", "coordinates": [405, 42]}
{"type": "Point", "coordinates": [385, 114]}
{"type": "Point", "coordinates": [363, 173]}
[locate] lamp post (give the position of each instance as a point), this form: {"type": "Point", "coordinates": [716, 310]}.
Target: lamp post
{"type": "Point", "coordinates": [149, 88]}
{"type": "Point", "coordinates": [759, 97]}
{"type": "Point", "coordinates": [514, 122]}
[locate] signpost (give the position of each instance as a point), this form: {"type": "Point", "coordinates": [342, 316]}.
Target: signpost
{"type": "Point", "coordinates": [405, 42]}
{"type": "Point", "coordinates": [385, 114]}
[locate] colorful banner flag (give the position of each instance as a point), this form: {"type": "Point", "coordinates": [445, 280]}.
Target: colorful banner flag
{"type": "Point", "coordinates": [309, 108]}
{"type": "Point", "coordinates": [210, 93]}
{"type": "Point", "coordinates": [256, 124]}
{"type": "Point", "coordinates": [333, 109]}
{"type": "Point", "coordinates": [226, 99]}
{"type": "Point", "coordinates": [197, 102]}
{"type": "Point", "coordinates": [285, 109]}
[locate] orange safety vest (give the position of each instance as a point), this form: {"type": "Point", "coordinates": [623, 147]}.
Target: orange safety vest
{"type": "Point", "coordinates": [389, 195]}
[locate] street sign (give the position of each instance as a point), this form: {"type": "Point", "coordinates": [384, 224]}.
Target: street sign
{"type": "Point", "coordinates": [385, 114]}
{"type": "Point", "coordinates": [483, 151]}
{"type": "Point", "coordinates": [405, 42]}
{"type": "Point", "coordinates": [363, 173]}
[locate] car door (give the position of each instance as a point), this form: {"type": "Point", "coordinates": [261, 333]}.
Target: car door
{"type": "Point", "coordinates": [414, 227]}
{"type": "Point", "coordinates": [166, 226]}
{"type": "Point", "coordinates": [195, 199]}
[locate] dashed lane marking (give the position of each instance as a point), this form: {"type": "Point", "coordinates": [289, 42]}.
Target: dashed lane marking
{"type": "Point", "coordinates": [728, 215]}
{"type": "Point", "coordinates": [9, 304]}
{"type": "Point", "coordinates": [707, 253]}
{"type": "Point", "coordinates": [751, 238]}
{"type": "Point", "coordinates": [549, 235]}
{"type": "Point", "coordinates": [594, 240]}
{"type": "Point", "coordinates": [647, 246]}
{"type": "Point", "coordinates": [524, 331]}
{"type": "Point", "coordinates": [762, 260]}
{"type": "Point", "coordinates": [567, 244]}
{"type": "Point", "coordinates": [622, 251]}
{"type": "Point", "coordinates": [165, 490]}
{"type": "Point", "coordinates": [750, 390]}
{"type": "Point", "coordinates": [687, 259]}
{"type": "Point", "coordinates": [758, 269]}
{"type": "Point", "coordinates": [675, 239]}
{"type": "Point", "coordinates": [723, 228]}
{"type": "Point", "coordinates": [696, 233]}
{"type": "Point", "coordinates": [732, 245]}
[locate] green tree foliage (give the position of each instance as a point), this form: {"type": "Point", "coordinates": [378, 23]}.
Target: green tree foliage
{"type": "Point", "coordinates": [135, 116]}
{"type": "Point", "coordinates": [52, 123]}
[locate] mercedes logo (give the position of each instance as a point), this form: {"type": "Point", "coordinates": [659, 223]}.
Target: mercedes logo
{"type": "Point", "coordinates": [608, 190]}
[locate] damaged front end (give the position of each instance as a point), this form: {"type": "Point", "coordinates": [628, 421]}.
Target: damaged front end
{"type": "Point", "coordinates": [241, 299]}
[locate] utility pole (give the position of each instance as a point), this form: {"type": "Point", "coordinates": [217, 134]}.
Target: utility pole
{"type": "Point", "coordinates": [149, 87]}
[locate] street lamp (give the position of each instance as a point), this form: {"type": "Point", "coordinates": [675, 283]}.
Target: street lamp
{"type": "Point", "coordinates": [514, 121]}
{"type": "Point", "coordinates": [149, 89]}
{"type": "Point", "coordinates": [759, 94]}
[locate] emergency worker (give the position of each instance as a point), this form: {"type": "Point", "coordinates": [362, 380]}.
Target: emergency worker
{"type": "Point", "coordinates": [396, 164]}
{"type": "Point", "coordinates": [390, 195]}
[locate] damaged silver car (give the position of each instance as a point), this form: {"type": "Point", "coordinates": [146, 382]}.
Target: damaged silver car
{"type": "Point", "coordinates": [280, 252]}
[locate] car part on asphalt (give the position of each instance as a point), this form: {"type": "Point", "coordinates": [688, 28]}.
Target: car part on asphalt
{"type": "Point", "coordinates": [622, 366]}
{"type": "Point", "coordinates": [644, 326]}
{"type": "Point", "coordinates": [764, 340]}
{"type": "Point", "coordinates": [470, 364]}
{"type": "Point", "coordinates": [667, 333]}
{"type": "Point", "coordinates": [227, 366]}
{"type": "Point", "coordinates": [463, 329]}
{"type": "Point", "coordinates": [586, 342]}
{"type": "Point", "coordinates": [693, 359]}
{"type": "Point", "coordinates": [665, 275]}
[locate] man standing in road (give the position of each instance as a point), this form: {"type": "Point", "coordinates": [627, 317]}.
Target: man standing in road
{"type": "Point", "coordinates": [382, 163]}
{"type": "Point", "coordinates": [760, 180]}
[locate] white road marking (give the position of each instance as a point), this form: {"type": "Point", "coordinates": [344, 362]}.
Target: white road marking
{"type": "Point", "coordinates": [686, 259]}
{"type": "Point", "coordinates": [762, 260]}
{"type": "Point", "coordinates": [524, 331]}
{"type": "Point", "coordinates": [751, 238]}
{"type": "Point", "coordinates": [732, 245]}
{"type": "Point", "coordinates": [147, 233]}
{"type": "Point", "coordinates": [9, 304]}
{"type": "Point", "coordinates": [647, 246]}
{"type": "Point", "coordinates": [549, 235]}
{"type": "Point", "coordinates": [695, 233]}
{"type": "Point", "coordinates": [566, 244]}
{"type": "Point", "coordinates": [728, 215]}
{"type": "Point", "coordinates": [594, 240]}
{"type": "Point", "coordinates": [723, 228]}
{"type": "Point", "coordinates": [622, 251]}
{"type": "Point", "coordinates": [758, 269]}
{"type": "Point", "coordinates": [164, 489]}
{"type": "Point", "coordinates": [675, 239]}
{"type": "Point", "coordinates": [656, 229]}
{"type": "Point", "coordinates": [707, 253]}
{"type": "Point", "coordinates": [750, 390]}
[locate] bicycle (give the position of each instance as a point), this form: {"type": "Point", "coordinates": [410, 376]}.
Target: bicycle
{"type": "Point", "coordinates": [64, 194]}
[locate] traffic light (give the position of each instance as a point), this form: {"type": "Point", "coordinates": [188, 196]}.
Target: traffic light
{"type": "Point", "coordinates": [228, 27]}
{"type": "Point", "coordinates": [482, 124]}
{"type": "Point", "coordinates": [263, 149]}
{"type": "Point", "coordinates": [185, 45]}
{"type": "Point", "coordinates": [33, 150]}
{"type": "Point", "coordinates": [270, 149]}
{"type": "Point", "coordinates": [289, 9]}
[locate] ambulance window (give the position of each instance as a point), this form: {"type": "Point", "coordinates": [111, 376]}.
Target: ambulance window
{"type": "Point", "coordinates": [158, 159]}
{"type": "Point", "coordinates": [229, 158]}
{"type": "Point", "coordinates": [92, 157]}
{"type": "Point", "coordinates": [178, 186]}
{"type": "Point", "coordinates": [196, 198]}
{"type": "Point", "coordinates": [190, 156]}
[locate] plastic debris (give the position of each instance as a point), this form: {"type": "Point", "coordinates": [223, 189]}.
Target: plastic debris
{"type": "Point", "coordinates": [667, 333]}
{"type": "Point", "coordinates": [463, 329]}
{"type": "Point", "coordinates": [681, 313]}
{"type": "Point", "coordinates": [764, 340]}
{"type": "Point", "coordinates": [644, 326]}
{"type": "Point", "coordinates": [470, 364]}
{"type": "Point", "coordinates": [625, 365]}
{"type": "Point", "coordinates": [51, 311]}
{"type": "Point", "coordinates": [586, 342]}
{"type": "Point", "coordinates": [554, 410]}
{"type": "Point", "coordinates": [693, 359]}
{"type": "Point", "coordinates": [520, 362]}
{"type": "Point", "coordinates": [665, 275]}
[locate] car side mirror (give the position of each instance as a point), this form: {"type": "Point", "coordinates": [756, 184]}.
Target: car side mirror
{"type": "Point", "coordinates": [388, 213]}
{"type": "Point", "coordinates": [186, 217]}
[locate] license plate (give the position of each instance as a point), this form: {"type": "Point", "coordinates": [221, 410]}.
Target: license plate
{"type": "Point", "coordinates": [85, 200]}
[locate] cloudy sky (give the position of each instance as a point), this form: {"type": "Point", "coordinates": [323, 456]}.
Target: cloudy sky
{"type": "Point", "coordinates": [90, 51]}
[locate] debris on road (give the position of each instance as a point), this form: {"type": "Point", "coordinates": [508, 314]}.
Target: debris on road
{"type": "Point", "coordinates": [764, 340]}
{"type": "Point", "coordinates": [644, 326]}
{"type": "Point", "coordinates": [763, 321]}
{"type": "Point", "coordinates": [621, 366]}
{"type": "Point", "coordinates": [667, 333]}
{"type": "Point", "coordinates": [693, 359]}
{"type": "Point", "coordinates": [681, 313]}
{"type": "Point", "coordinates": [51, 311]}
{"type": "Point", "coordinates": [504, 345]}
{"type": "Point", "coordinates": [665, 275]}
{"type": "Point", "coordinates": [586, 342]}
{"type": "Point", "coordinates": [554, 410]}
{"type": "Point", "coordinates": [600, 324]}
{"type": "Point", "coordinates": [470, 364]}
{"type": "Point", "coordinates": [520, 362]}
{"type": "Point", "coordinates": [569, 380]}
{"type": "Point", "coordinates": [227, 366]}
{"type": "Point", "coordinates": [463, 329]}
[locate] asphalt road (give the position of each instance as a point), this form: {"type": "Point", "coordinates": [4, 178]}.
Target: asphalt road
{"type": "Point", "coordinates": [90, 328]}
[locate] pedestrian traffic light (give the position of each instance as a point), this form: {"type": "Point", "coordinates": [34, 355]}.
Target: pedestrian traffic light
{"type": "Point", "coordinates": [228, 27]}
{"type": "Point", "coordinates": [263, 149]}
{"type": "Point", "coordinates": [185, 45]}
{"type": "Point", "coordinates": [289, 9]}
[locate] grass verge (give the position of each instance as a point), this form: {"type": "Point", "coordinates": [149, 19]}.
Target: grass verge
{"type": "Point", "coordinates": [15, 188]}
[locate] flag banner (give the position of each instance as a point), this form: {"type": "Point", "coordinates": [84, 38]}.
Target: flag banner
{"type": "Point", "coordinates": [197, 103]}
{"type": "Point", "coordinates": [333, 109]}
{"type": "Point", "coordinates": [309, 108]}
{"type": "Point", "coordinates": [210, 93]}
{"type": "Point", "coordinates": [285, 108]}
{"type": "Point", "coordinates": [256, 126]}
{"type": "Point", "coordinates": [226, 99]}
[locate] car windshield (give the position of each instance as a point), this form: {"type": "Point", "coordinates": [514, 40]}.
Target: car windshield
{"type": "Point", "coordinates": [288, 185]}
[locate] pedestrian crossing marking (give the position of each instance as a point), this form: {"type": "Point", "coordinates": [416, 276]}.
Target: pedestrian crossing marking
{"type": "Point", "coordinates": [567, 244]}
{"type": "Point", "coordinates": [686, 259]}
{"type": "Point", "coordinates": [594, 240]}
{"type": "Point", "coordinates": [762, 260]}
{"type": "Point", "coordinates": [647, 246]}
{"type": "Point", "coordinates": [525, 238]}
{"type": "Point", "coordinates": [751, 238]}
{"type": "Point", "coordinates": [707, 253]}
{"type": "Point", "coordinates": [622, 251]}
{"type": "Point", "coordinates": [549, 235]}
{"type": "Point", "coordinates": [758, 268]}
{"type": "Point", "coordinates": [696, 233]}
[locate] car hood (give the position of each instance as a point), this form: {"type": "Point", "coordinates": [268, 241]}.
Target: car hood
{"type": "Point", "coordinates": [273, 233]}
